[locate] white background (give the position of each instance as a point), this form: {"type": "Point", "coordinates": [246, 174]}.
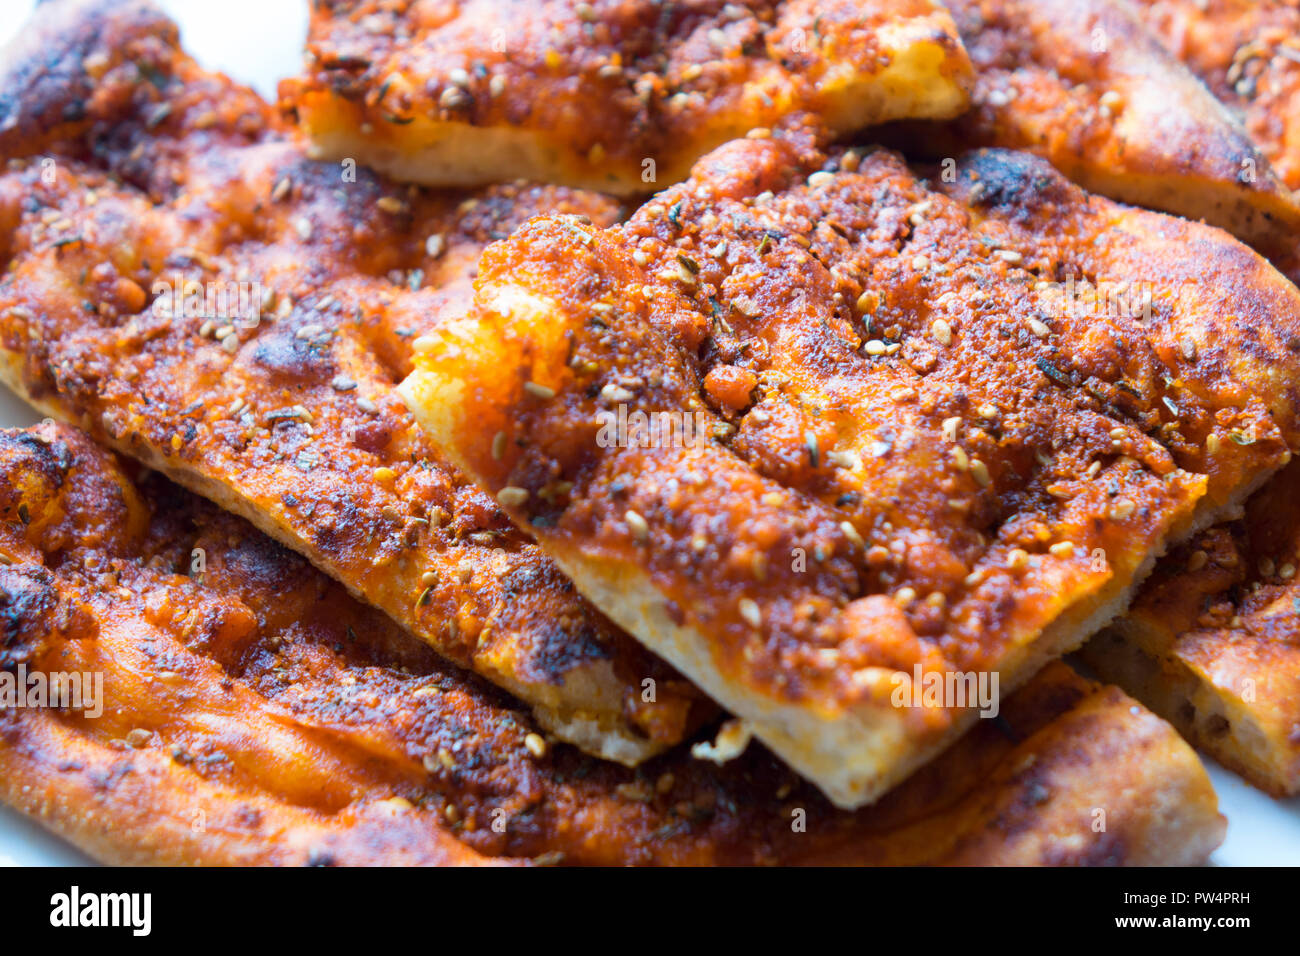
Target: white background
{"type": "Point", "coordinates": [260, 41]}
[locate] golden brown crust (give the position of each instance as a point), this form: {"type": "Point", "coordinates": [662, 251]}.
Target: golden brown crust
{"type": "Point", "coordinates": [1213, 642]}
{"type": "Point", "coordinates": [944, 464]}
{"type": "Point", "coordinates": [275, 399]}
{"type": "Point", "coordinates": [256, 714]}
{"type": "Point", "coordinates": [1248, 54]}
{"type": "Point", "coordinates": [621, 95]}
{"type": "Point", "coordinates": [1084, 84]}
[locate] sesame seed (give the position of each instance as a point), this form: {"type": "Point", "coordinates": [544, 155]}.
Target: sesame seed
{"type": "Point", "coordinates": [874, 347]}
{"type": "Point", "coordinates": [512, 496]}
{"type": "Point", "coordinates": [920, 263]}
{"type": "Point", "coordinates": [281, 189]}
{"type": "Point", "coordinates": [1212, 444]}
{"type": "Point", "coordinates": [1189, 349]}
{"type": "Point", "coordinates": [391, 205]}
{"type": "Point", "coordinates": [498, 445]}
{"type": "Point", "coordinates": [637, 525]}
{"type": "Point", "coordinates": [750, 612]}
{"type": "Point", "coordinates": [821, 178]}
{"type": "Point", "coordinates": [230, 343]}
{"type": "Point", "coordinates": [1267, 567]}
{"type": "Point", "coordinates": [988, 412]}
{"type": "Point", "coordinates": [980, 472]}
{"type": "Point", "coordinates": [303, 227]}
{"type": "Point", "coordinates": [1286, 572]}
{"type": "Point", "coordinates": [536, 745]}
{"type": "Point", "coordinates": [903, 597]}
{"type": "Point", "coordinates": [434, 246]}
{"type": "Point", "coordinates": [539, 391]}
{"type": "Point", "coordinates": [851, 533]}
{"type": "Point", "coordinates": [1039, 329]}
{"type": "Point", "coordinates": [454, 98]}
{"type": "Point", "coordinates": [844, 459]}
{"type": "Point", "coordinates": [1010, 256]}
{"type": "Point", "coordinates": [1122, 508]}
{"type": "Point", "coordinates": [960, 458]}
{"type": "Point", "coordinates": [616, 393]}
{"type": "Point", "coordinates": [941, 332]}
{"type": "Point", "coordinates": [1017, 559]}
{"type": "Point", "coordinates": [1062, 549]}
{"type": "Point", "coordinates": [1197, 560]}
{"type": "Point", "coordinates": [868, 302]}
{"type": "Point", "coordinates": [1111, 102]}
{"type": "Point", "coordinates": [384, 474]}
{"type": "Point", "coordinates": [950, 426]}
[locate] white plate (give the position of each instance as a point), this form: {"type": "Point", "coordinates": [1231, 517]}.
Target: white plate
{"type": "Point", "coordinates": [260, 41]}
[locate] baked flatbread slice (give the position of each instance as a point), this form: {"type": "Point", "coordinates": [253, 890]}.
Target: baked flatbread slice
{"type": "Point", "coordinates": [1086, 85]}
{"type": "Point", "coordinates": [1213, 641]}
{"type": "Point", "coordinates": [821, 432]}
{"type": "Point", "coordinates": [620, 96]}
{"type": "Point", "coordinates": [181, 279]}
{"type": "Point", "coordinates": [1248, 54]}
{"type": "Point", "coordinates": [253, 713]}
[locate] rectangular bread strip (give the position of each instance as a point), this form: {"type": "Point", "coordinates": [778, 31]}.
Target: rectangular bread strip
{"type": "Point", "coordinates": [1213, 640]}
{"type": "Point", "coordinates": [901, 438]}
{"type": "Point", "coordinates": [1248, 54]}
{"type": "Point", "coordinates": [1089, 87]}
{"type": "Point", "coordinates": [253, 713]}
{"type": "Point", "coordinates": [179, 278]}
{"type": "Point", "coordinates": [619, 95]}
